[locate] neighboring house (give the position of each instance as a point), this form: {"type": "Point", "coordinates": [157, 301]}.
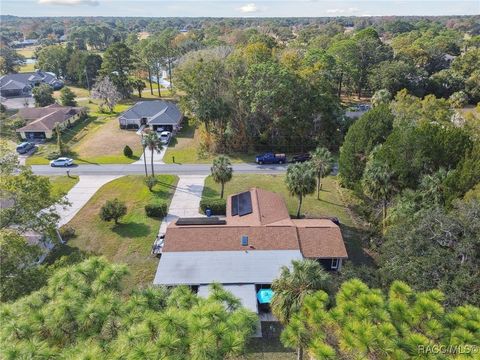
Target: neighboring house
{"type": "Point", "coordinates": [21, 84]}
{"type": "Point", "coordinates": [24, 43]}
{"type": "Point", "coordinates": [245, 251]}
{"type": "Point", "coordinates": [156, 114]}
{"type": "Point", "coordinates": [41, 122]}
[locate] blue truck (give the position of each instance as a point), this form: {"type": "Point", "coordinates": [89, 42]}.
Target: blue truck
{"type": "Point", "coordinates": [271, 158]}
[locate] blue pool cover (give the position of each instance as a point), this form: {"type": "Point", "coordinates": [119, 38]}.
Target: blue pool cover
{"type": "Point", "coordinates": [264, 296]}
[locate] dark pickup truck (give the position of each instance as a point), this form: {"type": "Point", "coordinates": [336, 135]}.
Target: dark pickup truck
{"type": "Point", "coordinates": [271, 158]}
{"type": "Point", "coordinates": [300, 158]}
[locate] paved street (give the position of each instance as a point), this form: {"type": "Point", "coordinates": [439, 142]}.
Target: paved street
{"type": "Point", "coordinates": [138, 169]}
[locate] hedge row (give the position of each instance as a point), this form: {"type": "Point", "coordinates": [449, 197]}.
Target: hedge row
{"type": "Point", "coordinates": [218, 206]}
{"type": "Point", "coordinates": [157, 209]}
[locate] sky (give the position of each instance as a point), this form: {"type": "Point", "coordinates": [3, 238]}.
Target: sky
{"type": "Point", "coordinates": [235, 8]}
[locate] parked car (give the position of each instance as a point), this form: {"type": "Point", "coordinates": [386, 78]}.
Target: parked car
{"type": "Point", "coordinates": [25, 147]}
{"type": "Point", "coordinates": [165, 137]}
{"type": "Point", "coordinates": [271, 158]}
{"type": "Point", "coordinates": [300, 158]}
{"type": "Point", "coordinates": [61, 161]}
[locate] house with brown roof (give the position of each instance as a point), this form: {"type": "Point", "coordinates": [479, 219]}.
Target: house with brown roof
{"type": "Point", "coordinates": [246, 250]}
{"type": "Point", "coordinates": [41, 122]}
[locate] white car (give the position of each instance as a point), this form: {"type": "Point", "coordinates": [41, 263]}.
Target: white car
{"type": "Point", "coordinates": [62, 161]}
{"type": "Point", "coordinates": [165, 137]}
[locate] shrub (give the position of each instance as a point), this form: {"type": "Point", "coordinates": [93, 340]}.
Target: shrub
{"type": "Point", "coordinates": [67, 232]}
{"type": "Point", "coordinates": [52, 155]}
{"type": "Point", "coordinates": [113, 210]}
{"type": "Point", "coordinates": [156, 209]}
{"type": "Point", "coordinates": [218, 206]}
{"type": "Point", "coordinates": [458, 99]}
{"type": "Point", "coordinates": [127, 151]}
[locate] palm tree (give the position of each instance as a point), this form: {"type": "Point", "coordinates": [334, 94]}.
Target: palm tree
{"type": "Point", "coordinates": [322, 162]}
{"type": "Point", "coordinates": [304, 277]}
{"type": "Point", "coordinates": [300, 182]}
{"type": "Point", "coordinates": [222, 171]}
{"type": "Point", "coordinates": [153, 143]}
{"type": "Point", "coordinates": [144, 145]}
{"type": "Point", "coordinates": [377, 183]}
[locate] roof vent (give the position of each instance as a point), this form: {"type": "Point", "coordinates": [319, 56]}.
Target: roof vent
{"type": "Point", "coordinates": [244, 240]}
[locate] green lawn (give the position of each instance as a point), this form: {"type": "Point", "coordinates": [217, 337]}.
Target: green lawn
{"type": "Point", "coordinates": [27, 52]}
{"type": "Point", "coordinates": [62, 184]}
{"type": "Point", "coordinates": [331, 203]}
{"type": "Point", "coordinates": [27, 68]}
{"type": "Point", "coordinates": [184, 147]}
{"type": "Point", "coordinates": [78, 91]}
{"type": "Point", "coordinates": [130, 241]}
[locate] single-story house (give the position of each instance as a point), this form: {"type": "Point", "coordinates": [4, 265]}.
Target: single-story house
{"type": "Point", "coordinates": [156, 114]}
{"type": "Point", "coordinates": [21, 84]}
{"type": "Point", "coordinates": [41, 122]}
{"type": "Point", "coordinates": [246, 250]}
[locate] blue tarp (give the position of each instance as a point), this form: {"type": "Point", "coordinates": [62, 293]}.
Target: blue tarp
{"type": "Point", "coordinates": [264, 296]}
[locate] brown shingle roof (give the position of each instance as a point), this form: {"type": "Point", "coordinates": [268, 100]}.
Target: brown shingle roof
{"type": "Point", "coordinates": [320, 238]}
{"type": "Point", "coordinates": [46, 118]}
{"type": "Point", "coordinates": [228, 238]}
{"type": "Point", "coordinates": [268, 227]}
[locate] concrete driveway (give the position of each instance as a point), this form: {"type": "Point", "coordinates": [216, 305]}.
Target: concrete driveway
{"type": "Point", "coordinates": [18, 102]}
{"type": "Point", "coordinates": [186, 199]}
{"type": "Point", "coordinates": [157, 156]}
{"type": "Point", "coordinates": [80, 194]}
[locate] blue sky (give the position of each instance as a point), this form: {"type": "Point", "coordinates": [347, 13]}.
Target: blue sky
{"type": "Point", "coordinates": [235, 8]}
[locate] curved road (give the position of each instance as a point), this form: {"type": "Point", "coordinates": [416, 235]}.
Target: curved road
{"type": "Point", "coordinates": [138, 169]}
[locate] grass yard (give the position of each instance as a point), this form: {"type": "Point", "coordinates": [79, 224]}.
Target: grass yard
{"type": "Point", "coordinates": [27, 51]}
{"type": "Point", "coordinates": [184, 147]}
{"type": "Point", "coordinates": [27, 68]}
{"type": "Point", "coordinates": [78, 91]}
{"type": "Point", "coordinates": [97, 140]}
{"type": "Point", "coordinates": [330, 204]}
{"type": "Point", "coordinates": [62, 184]}
{"type": "Point", "coordinates": [130, 241]}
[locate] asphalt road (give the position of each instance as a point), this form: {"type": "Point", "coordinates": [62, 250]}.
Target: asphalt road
{"type": "Point", "coordinates": [139, 169]}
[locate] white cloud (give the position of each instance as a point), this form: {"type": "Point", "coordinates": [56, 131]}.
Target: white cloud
{"type": "Point", "coordinates": [248, 8]}
{"type": "Point", "coordinates": [350, 10]}
{"type": "Point", "coordinates": [68, 2]}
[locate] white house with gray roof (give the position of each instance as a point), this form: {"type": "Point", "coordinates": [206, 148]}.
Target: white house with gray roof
{"type": "Point", "coordinates": [155, 114]}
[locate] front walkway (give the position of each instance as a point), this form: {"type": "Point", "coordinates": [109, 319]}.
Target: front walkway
{"type": "Point", "coordinates": [186, 199]}
{"type": "Point", "coordinates": [80, 194]}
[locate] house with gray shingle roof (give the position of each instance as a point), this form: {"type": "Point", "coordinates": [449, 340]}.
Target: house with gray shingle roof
{"type": "Point", "coordinates": [156, 114]}
{"type": "Point", "coordinates": [21, 84]}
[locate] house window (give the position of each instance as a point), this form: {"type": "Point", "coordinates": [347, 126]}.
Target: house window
{"type": "Point", "coordinates": [334, 264]}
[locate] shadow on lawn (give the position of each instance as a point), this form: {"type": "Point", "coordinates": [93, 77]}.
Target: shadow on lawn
{"type": "Point", "coordinates": [356, 243]}
{"type": "Point", "coordinates": [131, 229]}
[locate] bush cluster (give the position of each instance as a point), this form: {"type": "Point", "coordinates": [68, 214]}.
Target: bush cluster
{"type": "Point", "coordinates": [67, 232]}
{"type": "Point", "coordinates": [158, 209]}
{"type": "Point", "coordinates": [218, 206]}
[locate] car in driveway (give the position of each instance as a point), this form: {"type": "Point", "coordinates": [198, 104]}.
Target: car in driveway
{"type": "Point", "coordinates": [165, 136]}
{"type": "Point", "coordinates": [61, 162]}
{"type": "Point", "coordinates": [25, 147]}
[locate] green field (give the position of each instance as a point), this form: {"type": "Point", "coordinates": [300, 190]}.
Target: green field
{"type": "Point", "coordinates": [130, 241]}
{"type": "Point", "coordinates": [331, 203]}
{"type": "Point", "coordinates": [184, 147]}
{"type": "Point", "coordinates": [62, 184]}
